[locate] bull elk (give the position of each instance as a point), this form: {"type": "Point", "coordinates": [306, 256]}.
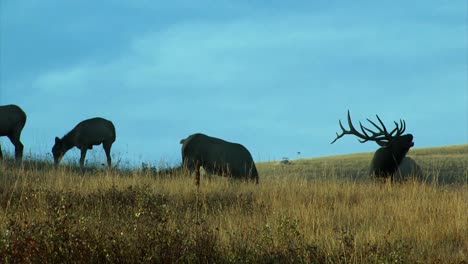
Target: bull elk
{"type": "Point", "coordinates": [85, 135]}
{"type": "Point", "coordinates": [12, 121]}
{"type": "Point", "coordinates": [388, 159]}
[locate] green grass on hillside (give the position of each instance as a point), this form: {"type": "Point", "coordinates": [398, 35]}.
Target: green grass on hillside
{"type": "Point", "coordinates": [447, 164]}
{"type": "Point", "coordinates": [321, 210]}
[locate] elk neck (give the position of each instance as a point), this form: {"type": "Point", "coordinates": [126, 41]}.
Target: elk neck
{"type": "Point", "coordinates": [68, 141]}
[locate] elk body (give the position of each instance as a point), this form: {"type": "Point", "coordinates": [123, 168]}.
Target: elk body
{"type": "Point", "coordinates": [217, 156]}
{"type": "Point", "coordinates": [12, 121]}
{"type": "Point", "coordinates": [85, 135]}
{"type": "Point", "coordinates": [388, 159]}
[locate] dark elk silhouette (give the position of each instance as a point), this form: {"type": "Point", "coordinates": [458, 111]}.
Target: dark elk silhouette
{"type": "Point", "coordinates": [85, 135]}
{"type": "Point", "coordinates": [389, 160]}
{"type": "Point", "coordinates": [217, 156]}
{"type": "Point", "coordinates": [12, 121]}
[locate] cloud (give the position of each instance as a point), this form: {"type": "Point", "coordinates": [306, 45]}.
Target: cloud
{"type": "Point", "coordinates": [245, 60]}
{"type": "Point", "coordinates": [284, 75]}
{"type": "Point", "coordinates": [60, 83]}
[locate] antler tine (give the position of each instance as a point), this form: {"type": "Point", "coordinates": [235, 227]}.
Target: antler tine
{"type": "Point", "coordinates": [345, 132]}
{"type": "Point", "coordinates": [402, 128]}
{"type": "Point", "coordinates": [350, 123]}
{"type": "Point", "coordinates": [363, 129]}
{"type": "Point", "coordinates": [338, 135]}
{"type": "Point", "coordinates": [381, 136]}
{"type": "Point", "coordinates": [352, 131]}
{"type": "Point", "coordinates": [383, 126]}
{"type": "Point", "coordinates": [382, 131]}
{"type": "Point", "coordinates": [375, 125]}
{"type": "Point", "coordinates": [397, 128]}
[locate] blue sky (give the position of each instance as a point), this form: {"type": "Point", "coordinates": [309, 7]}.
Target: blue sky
{"type": "Point", "coordinates": [275, 76]}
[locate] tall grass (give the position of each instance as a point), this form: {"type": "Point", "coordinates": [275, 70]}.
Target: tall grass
{"type": "Point", "coordinates": [308, 211]}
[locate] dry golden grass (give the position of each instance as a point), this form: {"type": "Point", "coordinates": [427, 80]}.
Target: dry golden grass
{"type": "Point", "coordinates": [322, 210]}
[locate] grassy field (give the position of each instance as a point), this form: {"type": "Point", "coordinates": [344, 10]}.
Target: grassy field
{"type": "Point", "coordinates": [321, 210]}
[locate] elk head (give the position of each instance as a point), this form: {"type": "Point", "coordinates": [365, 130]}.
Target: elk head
{"type": "Point", "coordinates": [394, 145]}
{"type": "Point", "coordinates": [58, 150]}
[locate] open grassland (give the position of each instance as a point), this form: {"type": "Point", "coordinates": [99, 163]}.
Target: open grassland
{"type": "Point", "coordinates": [322, 210]}
{"type": "Point", "coordinates": [444, 165]}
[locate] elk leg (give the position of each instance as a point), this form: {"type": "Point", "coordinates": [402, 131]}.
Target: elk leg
{"type": "Point", "coordinates": [197, 173]}
{"type": "Point", "coordinates": [83, 156]}
{"type": "Point", "coordinates": [253, 177]}
{"type": "Point", "coordinates": [107, 149]}
{"type": "Point", "coordinates": [1, 154]}
{"type": "Point", "coordinates": [18, 147]}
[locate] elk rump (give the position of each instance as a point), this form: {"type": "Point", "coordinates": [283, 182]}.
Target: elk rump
{"type": "Point", "coordinates": [217, 156]}
{"type": "Point", "coordinates": [409, 169]}
{"type": "Point", "coordinates": [12, 121]}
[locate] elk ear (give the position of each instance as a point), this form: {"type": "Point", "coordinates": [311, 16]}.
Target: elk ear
{"type": "Point", "coordinates": [57, 140]}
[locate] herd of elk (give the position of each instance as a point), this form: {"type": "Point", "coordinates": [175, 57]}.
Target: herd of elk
{"type": "Point", "coordinates": [215, 155]}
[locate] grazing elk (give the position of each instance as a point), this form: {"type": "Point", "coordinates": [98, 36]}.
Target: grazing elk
{"type": "Point", "coordinates": [12, 121]}
{"type": "Point", "coordinates": [85, 135]}
{"type": "Point", "coordinates": [388, 159]}
{"type": "Point", "coordinates": [217, 156]}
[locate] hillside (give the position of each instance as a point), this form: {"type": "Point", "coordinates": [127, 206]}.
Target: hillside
{"type": "Point", "coordinates": [447, 164]}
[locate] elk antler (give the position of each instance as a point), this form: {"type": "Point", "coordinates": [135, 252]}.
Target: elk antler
{"type": "Point", "coordinates": [381, 137]}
